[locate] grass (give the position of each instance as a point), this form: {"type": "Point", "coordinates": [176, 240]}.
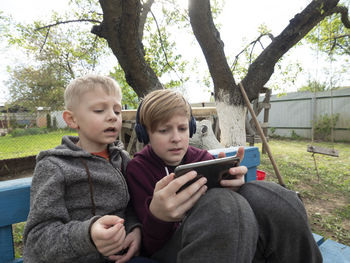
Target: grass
{"type": "Point", "coordinates": [14, 147]}
{"type": "Point", "coordinates": [326, 198]}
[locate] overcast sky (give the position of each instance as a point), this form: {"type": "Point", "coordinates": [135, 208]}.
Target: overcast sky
{"type": "Point", "coordinates": [239, 20]}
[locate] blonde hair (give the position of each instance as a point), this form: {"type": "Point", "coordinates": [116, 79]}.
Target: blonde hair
{"type": "Point", "coordinates": [79, 86]}
{"type": "Point", "coordinates": [160, 106]}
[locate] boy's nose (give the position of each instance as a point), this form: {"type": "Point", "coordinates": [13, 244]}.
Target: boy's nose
{"type": "Point", "coordinates": [112, 116]}
{"type": "Point", "coordinates": [176, 136]}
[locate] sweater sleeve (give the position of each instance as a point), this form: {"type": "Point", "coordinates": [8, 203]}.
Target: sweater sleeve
{"type": "Point", "coordinates": [49, 233]}
{"type": "Point", "coordinates": [141, 184]}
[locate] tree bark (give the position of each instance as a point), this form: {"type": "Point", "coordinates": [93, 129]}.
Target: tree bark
{"type": "Point", "coordinates": [120, 27]}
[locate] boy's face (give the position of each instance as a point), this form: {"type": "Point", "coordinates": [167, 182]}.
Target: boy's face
{"type": "Point", "coordinates": [98, 119]}
{"type": "Point", "coordinates": [170, 139]}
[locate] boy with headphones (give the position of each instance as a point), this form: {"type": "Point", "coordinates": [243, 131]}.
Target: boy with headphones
{"type": "Point", "coordinates": [252, 222]}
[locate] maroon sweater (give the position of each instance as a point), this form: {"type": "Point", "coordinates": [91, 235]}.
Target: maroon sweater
{"type": "Point", "coordinates": [143, 172]}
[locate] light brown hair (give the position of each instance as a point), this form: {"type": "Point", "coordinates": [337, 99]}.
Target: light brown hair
{"type": "Point", "coordinates": [79, 86]}
{"type": "Point", "coordinates": [160, 106]}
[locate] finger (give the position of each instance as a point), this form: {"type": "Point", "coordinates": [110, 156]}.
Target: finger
{"type": "Point", "coordinates": [116, 246]}
{"type": "Point", "coordinates": [221, 155]}
{"type": "Point", "coordinates": [240, 152]}
{"type": "Point", "coordinates": [126, 257]}
{"type": "Point", "coordinates": [239, 170]}
{"type": "Point", "coordinates": [113, 242]}
{"type": "Point", "coordinates": [164, 182]}
{"type": "Point", "coordinates": [233, 182]}
{"type": "Point", "coordinates": [190, 201]}
{"type": "Point", "coordinates": [109, 220]}
{"type": "Point", "coordinates": [180, 181]}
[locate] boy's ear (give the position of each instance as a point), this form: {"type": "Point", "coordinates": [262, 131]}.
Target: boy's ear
{"type": "Point", "coordinates": [69, 118]}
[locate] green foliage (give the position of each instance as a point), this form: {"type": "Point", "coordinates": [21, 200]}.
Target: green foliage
{"type": "Point", "coordinates": [294, 135]}
{"type": "Point", "coordinates": [285, 74]}
{"type": "Point", "coordinates": [57, 52]}
{"type": "Point", "coordinates": [30, 87]}
{"type": "Point", "coordinates": [324, 125]}
{"type": "Point", "coordinates": [54, 123]}
{"type": "Point", "coordinates": [18, 230]}
{"type": "Point", "coordinates": [129, 99]}
{"type": "Point", "coordinates": [313, 86]}
{"type": "Point", "coordinates": [48, 121]}
{"type": "Point", "coordinates": [29, 131]}
{"type": "Point", "coordinates": [13, 122]}
{"type": "Point", "coordinates": [331, 36]}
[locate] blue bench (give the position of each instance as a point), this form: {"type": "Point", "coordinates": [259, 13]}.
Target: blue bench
{"type": "Point", "coordinates": [14, 208]}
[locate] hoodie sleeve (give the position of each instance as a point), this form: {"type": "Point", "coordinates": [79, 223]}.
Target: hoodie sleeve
{"type": "Point", "coordinates": [141, 182]}
{"type": "Point", "coordinates": [49, 233]}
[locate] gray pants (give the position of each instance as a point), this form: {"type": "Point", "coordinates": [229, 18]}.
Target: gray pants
{"type": "Point", "coordinates": [263, 222]}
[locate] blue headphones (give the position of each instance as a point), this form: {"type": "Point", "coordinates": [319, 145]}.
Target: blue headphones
{"type": "Point", "coordinates": [141, 131]}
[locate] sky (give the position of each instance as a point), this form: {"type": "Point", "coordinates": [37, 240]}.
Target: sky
{"type": "Point", "coordinates": [240, 19]}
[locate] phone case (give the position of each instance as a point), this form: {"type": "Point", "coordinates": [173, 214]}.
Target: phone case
{"type": "Point", "coordinates": [214, 170]}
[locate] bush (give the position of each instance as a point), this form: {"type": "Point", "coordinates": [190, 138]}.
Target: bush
{"type": "Point", "coordinates": [30, 131]}
{"type": "Point", "coordinates": [48, 120]}
{"type": "Point", "coordinates": [54, 123]}
{"type": "Point", "coordinates": [323, 126]}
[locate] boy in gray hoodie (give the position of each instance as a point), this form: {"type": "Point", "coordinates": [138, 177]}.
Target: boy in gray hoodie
{"type": "Point", "coordinates": [79, 200]}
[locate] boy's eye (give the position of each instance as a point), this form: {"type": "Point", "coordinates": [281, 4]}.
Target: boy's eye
{"type": "Point", "coordinates": [162, 130]}
{"type": "Point", "coordinates": [117, 112]}
{"type": "Point", "coordinates": [98, 111]}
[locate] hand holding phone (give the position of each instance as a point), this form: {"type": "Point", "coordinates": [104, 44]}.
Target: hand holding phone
{"type": "Point", "coordinates": [214, 170]}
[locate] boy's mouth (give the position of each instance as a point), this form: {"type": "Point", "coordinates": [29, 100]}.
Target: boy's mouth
{"type": "Point", "coordinates": [110, 129]}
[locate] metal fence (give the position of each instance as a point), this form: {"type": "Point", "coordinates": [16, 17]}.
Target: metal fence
{"type": "Point", "coordinates": [294, 113]}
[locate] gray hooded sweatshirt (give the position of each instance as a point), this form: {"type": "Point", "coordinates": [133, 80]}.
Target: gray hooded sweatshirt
{"type": "Point", "coordinates": [71, 189]}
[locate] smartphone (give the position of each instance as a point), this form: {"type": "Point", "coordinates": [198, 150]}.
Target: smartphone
{"type": "Point", "coordinates": [214, 170]}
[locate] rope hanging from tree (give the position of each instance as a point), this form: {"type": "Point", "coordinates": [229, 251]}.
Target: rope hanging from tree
{"type": "Point", "coordinates": [313, 148]}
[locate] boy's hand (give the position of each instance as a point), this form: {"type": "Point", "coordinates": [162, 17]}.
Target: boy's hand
{"type": "Point", "coordinates": [170, 206]}
{"type": "Point", "coordinates": [132, 243]}
{"type": "Point", "coordinates": [108, 234]}
{"type": "Point", "coordinates": [239, 172]}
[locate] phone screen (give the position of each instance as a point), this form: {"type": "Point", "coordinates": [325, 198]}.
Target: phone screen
{"type": "Point", "coordinates": [214, 170]}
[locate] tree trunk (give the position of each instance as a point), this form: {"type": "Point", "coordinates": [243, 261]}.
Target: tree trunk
{"type": "Point", "coordinates": [229, 102]}
{"type": "Point", "coordinates": [120, 27]}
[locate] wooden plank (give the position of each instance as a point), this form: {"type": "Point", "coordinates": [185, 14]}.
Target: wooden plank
{"type": "Point", "coordinates": [6, 244]}
{"type": "Point", "coordinates": [320, 150]}
{"type": "Point", "coordinates": [129, 115]}
{"type": "Point", "coordinates": [334, 252]}
{"type": "Point", "coordinates": [14, 201]}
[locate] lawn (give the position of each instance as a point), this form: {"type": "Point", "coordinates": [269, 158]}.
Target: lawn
{"type": "Point", "coordinates": [326, 197]}
{"type": "Point", "coordinates": [14, 147]}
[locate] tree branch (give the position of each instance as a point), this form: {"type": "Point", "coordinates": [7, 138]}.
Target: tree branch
{"type": "Point", "coordinates": [212, 46]}
{"type": "Point", "coordinates": [262, 68]}
{"type": "Point", "coordinates": [67, 22]}
{"type": "Point", "coordinates": [344, 15]}
{"type": "Point", "coordinates": [146, 8]}
{"type": "Point", "coordinates": [162, 46]}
